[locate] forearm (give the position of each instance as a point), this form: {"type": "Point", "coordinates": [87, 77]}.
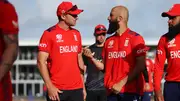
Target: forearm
{"type": "Point", "coordinates": [146, 76]}
{"type": "Point", "coordinates": [158, 71]}
{"type": "Point", "coordinates": [90, 56]}
{"type": "Point", "coordinates": [81, 63]}
{"type": "Point", "coordinates": [98, 63]}
{"type": "Point", "coordinates": [82, 77]}
{"type": "Point", "coordinates": [134, 74]}
{"type": "Point", "coordinates": [81, 66]}
{"type": "Point", "coordinates": [158, 74]}
{"type": "Point", "coordinates": [42, 66]}
{"type": "Point", "coordinates": [9, 56]}
{"type": "Point", "coordinates": [139, 68]}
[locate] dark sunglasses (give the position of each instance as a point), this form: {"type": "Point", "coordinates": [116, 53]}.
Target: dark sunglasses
{"type": "Point", "coordinates": [72, 9]}
{"type": "Point", "coordinates": [171, 17]}
{"type": "Point", "coordinates": [101, 29]}
{"type": "Point", "coordinates": [74, 15]}
{"type": "Point", "coordinates": [100, 34]}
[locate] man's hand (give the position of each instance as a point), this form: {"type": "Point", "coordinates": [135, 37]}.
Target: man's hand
{"type": "Point", "coordinates": [159, 96]}
{"type": "Point", "coordinates": [146, 87]}
{"type": "Point", "coordinates": [87, 52]}
{"type": "Point", "coordinates": [118, 86]}
{"type": "Point", "coordinates": [53, 93]}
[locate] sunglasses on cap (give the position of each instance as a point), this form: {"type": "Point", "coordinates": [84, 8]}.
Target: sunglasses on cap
{"type": "Point", "coordinates": [100, 29]}
{"type": "Point", "coordinates": [72, 9]}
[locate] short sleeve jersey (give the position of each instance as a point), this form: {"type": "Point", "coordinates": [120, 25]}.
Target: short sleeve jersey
{"type": "Point", "coordinates": [63, 47]}
{"type": "Point", "coordinates": [170, 50]}
{"type": "Point", "coordinates": [8, 25]}
{"type": "Point", "coordinates": [119, 54]}
{"type": "Point", "coordinates": [8, 21]}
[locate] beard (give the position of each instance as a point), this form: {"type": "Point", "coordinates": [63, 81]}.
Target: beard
{"type": "Point", "coordinates": [173, 31]}
{"type": "Point", "coordinates": [99, 42]}
{"type": "Point", "coordinates": [113, 26]}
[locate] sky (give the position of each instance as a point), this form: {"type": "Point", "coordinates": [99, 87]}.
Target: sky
{"type": "Point", "coordinates": [35, 16]}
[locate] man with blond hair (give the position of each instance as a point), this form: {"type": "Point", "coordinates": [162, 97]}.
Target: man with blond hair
{"type": "Point", "coordinates": [60, 57]}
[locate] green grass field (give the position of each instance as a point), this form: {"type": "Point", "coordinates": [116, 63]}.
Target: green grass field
{"type": "Point", "coordinates": [28, 99]}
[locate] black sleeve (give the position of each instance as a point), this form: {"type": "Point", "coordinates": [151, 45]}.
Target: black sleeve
{"type": "Point", "coordinates": [84, 59]}
{"type": "Point", "coordinates": [146, 76]}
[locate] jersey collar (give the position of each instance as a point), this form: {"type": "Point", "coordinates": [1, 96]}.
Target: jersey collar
{"type": "Point", "coordinates": [58, 27]}
{"type": "Point", "coordinates": [124, 33]}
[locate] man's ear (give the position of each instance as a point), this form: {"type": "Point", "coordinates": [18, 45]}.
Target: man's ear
{"type": "Point", "coordinates": [119, 18]}
{"type": "Point", "coordinates": [63, 16]}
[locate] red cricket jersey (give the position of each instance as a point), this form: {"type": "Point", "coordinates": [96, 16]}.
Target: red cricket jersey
{"type": "Point", "coordinates": [169, 50]}
{"type": "Point", "coordinates": [63, 47]}
{"type": "Point", "coordinates": [8, 25]}
{"type": "Point", "coordinates": [119, 55]}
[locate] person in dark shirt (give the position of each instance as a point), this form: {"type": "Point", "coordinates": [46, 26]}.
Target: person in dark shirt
{"type": "Point", "coordinates": [95, 68]}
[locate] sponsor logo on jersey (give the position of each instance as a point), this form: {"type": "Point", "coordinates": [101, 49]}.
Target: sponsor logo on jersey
{"type": "Point", "coordinates": [172, 43]}
{"type": "Point", "coordinates": [59, 38]}
{"type": "Point", "coordinates": [110, 44]}
{"type": "Point", "coordinates": [43, 45]}
{"type": "Point", "coordinates": [141, 51]}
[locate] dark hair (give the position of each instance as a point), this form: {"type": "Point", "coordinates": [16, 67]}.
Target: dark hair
{"type": "Point", "coordinates": [59, 18]}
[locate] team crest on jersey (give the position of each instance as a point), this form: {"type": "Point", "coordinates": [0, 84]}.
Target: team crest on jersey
{"type": "Point", "coordinates": [126, 42]}
{"type": "Point", "coordinates": [75, 37]}
{"type": "Point", "coordinates": [59, 38]}
{"type": "Point", "coordinates": [172, 43]}
{"type": "Point", "coordinates": [110, 44]}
